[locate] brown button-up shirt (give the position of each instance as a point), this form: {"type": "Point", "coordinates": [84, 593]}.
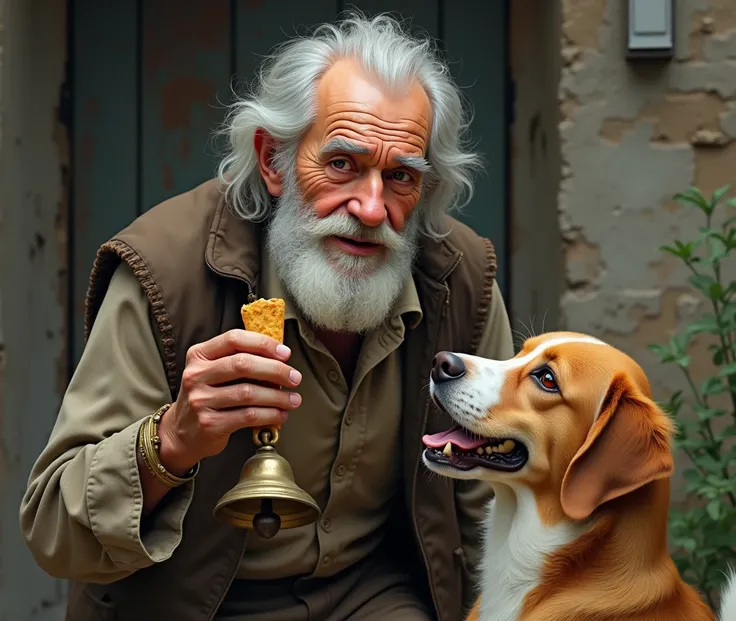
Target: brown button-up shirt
{"type": "Point", "coordinates": [342, 443]}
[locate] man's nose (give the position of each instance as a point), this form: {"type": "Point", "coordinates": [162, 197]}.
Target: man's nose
{"type": "Point", "coordinates": [447, 366]}
{"type": "Point", "coordinates": [367, 203]}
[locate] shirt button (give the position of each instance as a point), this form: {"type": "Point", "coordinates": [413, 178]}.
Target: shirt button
{"type": "Point", "coordinates": [326, 560]}
{"type": "Point", "coordinates": [326, 524]}
{"type": "Point", "coordinates": [348, 419]}
{"type": "Point", "coordinates": [341, 470]}
{"type": "Point", "coordinates": [332, 374]}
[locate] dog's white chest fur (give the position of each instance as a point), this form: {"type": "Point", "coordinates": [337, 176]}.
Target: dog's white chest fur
{"type": "Point", "coordinates": [516, 544]}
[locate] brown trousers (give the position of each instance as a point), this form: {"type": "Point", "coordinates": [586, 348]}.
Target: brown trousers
{"type": "Point", "coordinates": [372, 590]}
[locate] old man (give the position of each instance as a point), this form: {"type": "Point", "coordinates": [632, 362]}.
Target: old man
{"type": "Point", "coordinates": [344, 164]}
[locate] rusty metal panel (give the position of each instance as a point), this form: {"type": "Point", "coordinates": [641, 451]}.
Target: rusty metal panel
{"type": "Point", "coordinates": [105, 136]}
{"type": "Point", "coordinates": [422, 15]}
{"type": "Point", "coordinates": [185, 82]}
{"type": "Point", "coordinates": [475, 36]}
{"type": "Point", "coordinates": [261, 25]}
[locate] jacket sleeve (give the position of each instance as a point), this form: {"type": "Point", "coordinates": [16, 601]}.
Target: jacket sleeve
{"type": "Point", "coordinates": [81, 512]}
{"type": "Point", "coordinates": [472, 497]}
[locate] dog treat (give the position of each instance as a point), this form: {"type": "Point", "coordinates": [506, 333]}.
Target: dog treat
{"type": "Point", "coordinates": [265, 317]}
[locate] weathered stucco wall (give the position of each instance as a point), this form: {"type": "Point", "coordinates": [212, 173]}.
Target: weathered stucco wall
{"type": "Point", "coordinates": [33, 178]}
{"type": "Point", "coordinates": [633, 134]}
{"type": "Point", "coordinates": [2, 339]}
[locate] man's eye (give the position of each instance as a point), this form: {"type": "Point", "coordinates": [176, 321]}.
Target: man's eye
{"type": "Point", "coordinates": [341, 165]}
{"type": "Point", "coordinates": [401, 175]}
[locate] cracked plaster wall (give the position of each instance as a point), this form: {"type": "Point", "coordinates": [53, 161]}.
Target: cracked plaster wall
{"type": "Point", "coordinates": [632, 135]}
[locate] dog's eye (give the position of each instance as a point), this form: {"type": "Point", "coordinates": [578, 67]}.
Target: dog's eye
{"type": "Point", "coordinates": [546, 379]}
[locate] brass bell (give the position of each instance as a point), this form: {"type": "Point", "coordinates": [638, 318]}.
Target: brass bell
{"type": "Point", "coordinates": [266, 498]}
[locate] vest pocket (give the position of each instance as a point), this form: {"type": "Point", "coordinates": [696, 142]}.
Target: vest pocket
{"type": "Point", "coordinates": [92, 606]}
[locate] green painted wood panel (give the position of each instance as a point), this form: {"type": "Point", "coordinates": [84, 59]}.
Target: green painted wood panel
{"type": "Point", "coordinates": [262, 25]}
{"type": "Point", "coordinates": [104, 139]}
{"type": "Point", "coordinates": [185, 83]}
{"type": "Point", "coordinates": [475, 35]}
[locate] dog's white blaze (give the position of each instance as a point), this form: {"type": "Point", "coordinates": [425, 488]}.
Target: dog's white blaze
{"type": "Point", "coordinates": [491, 374]}
{"type": "Point", "coordinates": [515, 546]}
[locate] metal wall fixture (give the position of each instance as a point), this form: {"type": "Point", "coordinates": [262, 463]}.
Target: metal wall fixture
{"type": "Point", "coordinates": [650, 29]}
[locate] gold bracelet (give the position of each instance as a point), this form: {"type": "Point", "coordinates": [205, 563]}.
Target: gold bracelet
{"type": "Point", "coordinates": [149, 444]}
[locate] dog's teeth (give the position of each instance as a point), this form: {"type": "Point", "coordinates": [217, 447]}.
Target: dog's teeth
{"type": "Point", "coordinates": [489, 450]}
{"type": "Point", "coordinates": [479, 450]}
{"type": "Point", "coordinates": [448, 449]}
{"type": "Point", "coordinates": [506, 447]}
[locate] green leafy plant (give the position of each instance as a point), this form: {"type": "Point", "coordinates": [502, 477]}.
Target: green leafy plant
{"type": "Point", "coordinates": [703, 533]}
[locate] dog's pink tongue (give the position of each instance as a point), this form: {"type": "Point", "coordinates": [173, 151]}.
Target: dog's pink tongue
{"type": "Point", "coordinates": [457, 435]}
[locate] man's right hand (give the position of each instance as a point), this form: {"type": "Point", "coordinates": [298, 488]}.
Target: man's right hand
{"type": "Point", "coordinates": [229, 382]}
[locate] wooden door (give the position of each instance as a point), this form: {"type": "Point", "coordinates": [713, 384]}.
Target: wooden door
{"type": "Point", "coordinates": [150, 80]}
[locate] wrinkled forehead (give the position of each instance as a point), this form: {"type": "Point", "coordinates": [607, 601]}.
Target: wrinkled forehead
{"type": "Point", "coordinates": [352, 105]}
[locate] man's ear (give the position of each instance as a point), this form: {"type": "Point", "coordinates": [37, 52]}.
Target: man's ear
{"type": "Point", "coordinates": [627, 447]}
{"type": "Point", "coordinates": [265, 146]}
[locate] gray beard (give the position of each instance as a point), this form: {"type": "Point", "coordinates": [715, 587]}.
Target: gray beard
{"type": "Point", "coordinates": [333, 290]}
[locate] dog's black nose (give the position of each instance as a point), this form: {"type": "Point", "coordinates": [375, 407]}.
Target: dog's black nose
{"type": "Point", "coordinates": [447, 366]}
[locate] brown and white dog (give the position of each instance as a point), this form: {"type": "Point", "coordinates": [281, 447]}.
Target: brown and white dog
{"type": "Point", "coordinates": [579, 457]}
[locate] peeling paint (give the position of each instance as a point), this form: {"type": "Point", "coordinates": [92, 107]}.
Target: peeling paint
{"type": "Point", "coordinates": [676, 117]}
{"type": "Point", "coordinates": [634, 134]}
{"type": "Point", "coordinates": [584, 264]}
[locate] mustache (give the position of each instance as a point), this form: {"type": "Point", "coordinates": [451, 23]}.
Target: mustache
{"type": "Point", "coordinates": [344, 225]}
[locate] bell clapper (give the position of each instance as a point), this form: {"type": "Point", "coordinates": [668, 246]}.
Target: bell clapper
{"type": "Point", "coordinates": [266, 523]}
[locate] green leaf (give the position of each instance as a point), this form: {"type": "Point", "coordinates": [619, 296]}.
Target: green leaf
{"type": "Point", "coordinates": [680, 250]}
{"type": "Point", "coordinates": [731, 202]}
{"type": "Point", "coordinates": [714, 509]}
{"type": "Point", "coordinates": [706, 284]}
{"type": "Point", "coordinates": [718, 195]}
{"type": "Point", "coordinates": [693, 196]}
{"type": "Point", "coordinates": [728, 370]}
{"type": "Point", "coordinates": [712, 386]}
{"type": "Point", "coordinates": [663, 352]}
{"type": "Point", "coordinates": [691, 476]}
{"type": "Point", "coordinates": [692, 443]}
{"type": "Point", "coordinates": [708, 463]}
{"type": "Point", "coordinates": [706, 413]}
{"type": "Point", "coordinates": [718, 250]}
{"type": "Point", "coordinates": [708, 324]}
{"type": "Point", "coordinates": [722, 540]}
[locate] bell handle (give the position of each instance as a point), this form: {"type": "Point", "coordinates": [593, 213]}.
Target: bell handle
{"type": "Point", "coordinates": [265, 436]}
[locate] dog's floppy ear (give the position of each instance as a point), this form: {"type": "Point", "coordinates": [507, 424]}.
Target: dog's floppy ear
{"type": "Point", "coordinates": [626, 448]}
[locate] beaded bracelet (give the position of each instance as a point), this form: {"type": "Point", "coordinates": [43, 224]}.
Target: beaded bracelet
{"type": "Point", "coordinates": [149, 444]}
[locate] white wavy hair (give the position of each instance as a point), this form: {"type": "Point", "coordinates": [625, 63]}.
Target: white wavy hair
{"type": "Point", "coordinates": [283, 104]}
